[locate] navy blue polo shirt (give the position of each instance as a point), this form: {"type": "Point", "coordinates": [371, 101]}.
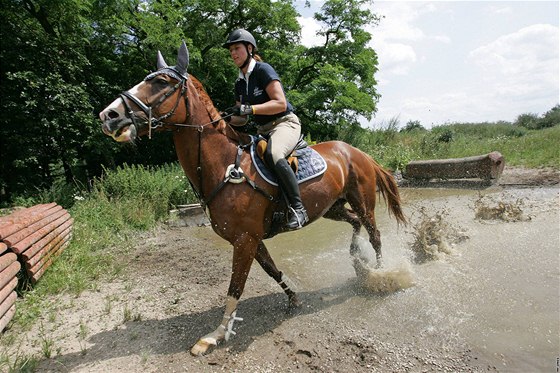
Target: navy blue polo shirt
{"type": "Point", "coordinates": [254, 92]}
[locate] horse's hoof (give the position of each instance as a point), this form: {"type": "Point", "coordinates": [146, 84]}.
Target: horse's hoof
{"type": "Point", "coordinates": [294, 304]}
{"type": "Point", "coordinates": [201, 347]}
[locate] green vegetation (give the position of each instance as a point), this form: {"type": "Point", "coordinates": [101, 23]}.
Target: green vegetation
{"type": "Point", "coordinates": [530, 145]}
{"type": "Point", "coordinates": [62, 62]}
{"type": "Point", "coordinates": [123, 204]}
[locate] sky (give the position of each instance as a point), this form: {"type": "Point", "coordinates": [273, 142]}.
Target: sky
{"type": "Point", "coordinates": [444, 62]}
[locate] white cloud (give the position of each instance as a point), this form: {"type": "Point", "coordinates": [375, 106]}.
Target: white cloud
{"type": "Point", "coordinates": [395, 58]}
{"type": "Point", "coordinates": [521, 66]}
{"type": "Point", "coordinates": [524, 51]}
{"type": "Point", "coordinates": [309, 29]}
{"type": "Point", "coordinates": [500, 10]}
{"type": "Point", "coordinates": [430, 68]}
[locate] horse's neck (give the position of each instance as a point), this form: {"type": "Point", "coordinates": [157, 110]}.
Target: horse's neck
{"type": "Point", "coordinates": [206, 150]}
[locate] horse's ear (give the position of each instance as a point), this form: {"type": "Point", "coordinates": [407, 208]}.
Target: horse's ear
{"type": "Point", "coordinates": [183, 59]}
{"type": "Point", "coordinates": [160, 61]}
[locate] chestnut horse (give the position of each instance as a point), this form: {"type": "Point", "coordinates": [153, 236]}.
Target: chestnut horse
{"type": "Point", "coordinates": [242, 212]}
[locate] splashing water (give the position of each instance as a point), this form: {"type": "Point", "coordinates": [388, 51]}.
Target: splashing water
{"type": "Point", "coordinates": [395, 275]}
{"type": "Point", "coordinates": [489, 208]}
{"type": "Point", "coordinates": [434, 236]}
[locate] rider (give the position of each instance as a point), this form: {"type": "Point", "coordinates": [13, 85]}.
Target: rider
{"type": "Point", "coordinates": [258, 92]}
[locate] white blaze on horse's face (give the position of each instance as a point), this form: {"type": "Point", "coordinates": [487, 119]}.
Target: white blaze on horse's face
{"type": "Point", "coordinates": [114, 114]}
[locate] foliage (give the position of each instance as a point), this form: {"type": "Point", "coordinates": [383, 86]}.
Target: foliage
{"type": "Point", "coordinates": [532, 121]}
{"type": "Point", "coordinates": [333, 84]}
{"type": "Point", "coordinates": [149, 190]}
{"type": "Point", "coordinates": [413, 125]}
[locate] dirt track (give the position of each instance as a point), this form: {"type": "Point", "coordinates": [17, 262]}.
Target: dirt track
{"type": "Point", "coordinates": [173, 292]}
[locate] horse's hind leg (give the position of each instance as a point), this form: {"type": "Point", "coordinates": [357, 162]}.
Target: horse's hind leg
{"type": "Point", "coordinates": [362, 201]}
{"type": "Point", "coordinates": [265, 260]}
{"type": "Point", "coordinates": [339, 212]}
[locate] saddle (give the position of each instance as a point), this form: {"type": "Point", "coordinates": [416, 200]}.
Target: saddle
{"type": "Point", "coordinates": [306, 162]}
{"type": "Point", "coordinates": [293, 160]}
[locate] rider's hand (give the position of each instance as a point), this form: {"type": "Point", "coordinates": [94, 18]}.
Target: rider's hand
{"type": "Point", "coordinates": [238, 110]}
{"type": "Point", "coordinates": [246, 110]}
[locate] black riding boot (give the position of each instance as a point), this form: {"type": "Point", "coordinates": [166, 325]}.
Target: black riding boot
{"type": "Point", "coordinates": [297, 216]}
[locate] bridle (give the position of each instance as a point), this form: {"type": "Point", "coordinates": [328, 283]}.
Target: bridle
{"type": "Point", "coordinates": [156, 122]}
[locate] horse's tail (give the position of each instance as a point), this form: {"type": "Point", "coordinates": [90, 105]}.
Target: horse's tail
{"type": "Point", "coordinates": [390, 192]}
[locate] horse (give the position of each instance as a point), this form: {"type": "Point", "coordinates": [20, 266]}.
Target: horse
{"type": "Point", "coordinates": [242, 212]}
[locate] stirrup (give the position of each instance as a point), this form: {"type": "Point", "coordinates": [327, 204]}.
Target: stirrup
{"type": "Point", "coordinates": [300, 218]}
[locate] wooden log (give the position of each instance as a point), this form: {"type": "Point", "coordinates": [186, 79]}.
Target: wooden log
{"type": "Point", "coordinates": [35, 236]}
{"type": "Point", "coordinates": [20, 222]}
{"type": "Point", "coordinates": [9, 273]}
{"type": "Point", "coordinates": [4, 320]}
{"type": "Point", "coordinates": [37, 275]}
{"type": "Point", "coordinates": [47, 240]}
{"type": "Point", "coordinates": [3, 247]}
{"type": "Point", "coordinates": [8, 303]}
{"type": "Point", "coordinates": [20, 213]}
{"type": "Point", "coordinates": [45, 250]}
{"type": "Point", "coordinates": [6, 290]}
{"type": "Point", "coordinates": [23, 233]}
{"type": "Point", "coordinates": [42, 260]}
{"type": "Point", "coordinates": [6, 260]}
{"type": "Point", "coordinates": [486, 167]}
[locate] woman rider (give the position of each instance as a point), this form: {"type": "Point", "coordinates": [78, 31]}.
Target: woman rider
{"type": "Point", "coordinates": [258, 92]}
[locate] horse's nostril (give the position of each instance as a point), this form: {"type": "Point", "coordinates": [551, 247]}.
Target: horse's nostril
{"type": "Point", "coordinates": [112, 114]}
{"type": "Point", "coordinates": [109, 114]}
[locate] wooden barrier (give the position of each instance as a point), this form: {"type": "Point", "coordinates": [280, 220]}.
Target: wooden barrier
{"type": "Point", "coordinates": [486, 167]}
{"type": "Point", "coordinates": [9, 267]}
{"type": "Point", "coordinates": [31, 239]}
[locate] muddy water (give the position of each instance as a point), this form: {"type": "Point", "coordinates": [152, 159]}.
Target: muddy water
{"type": "Point", "coordinates": [496, 291]}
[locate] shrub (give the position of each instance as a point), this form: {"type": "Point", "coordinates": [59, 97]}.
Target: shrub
{"type": "Point", "coordinates": [443, 134]}
{"type": "Point", "coordinates": [158, 188]}
{"type": "Point", "coordinates": [528, 120]}
{"type": "Point", "coordinates": [413, 125]}
{"type": "Point", "coordinates": [551, 118]}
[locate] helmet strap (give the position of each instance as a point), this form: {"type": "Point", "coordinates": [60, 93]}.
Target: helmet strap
{"type": "Point", "coordinates": [248, 59]}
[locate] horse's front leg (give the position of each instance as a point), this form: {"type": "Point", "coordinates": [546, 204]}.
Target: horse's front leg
{"type": "Point", "coordinates": [244, 251]}
{"type": "Point", "coordinates": [266, 262]}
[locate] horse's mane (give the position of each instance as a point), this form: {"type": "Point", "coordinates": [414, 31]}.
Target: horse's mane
{"type": "Point", "coordinates": [204, 98]}
{"type": "Point", "coordinates": [221, 126]}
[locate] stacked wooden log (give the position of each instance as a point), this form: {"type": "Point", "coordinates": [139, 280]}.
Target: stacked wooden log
{"type": "Point", "coordinates": [32, 238]}
{"type": "Point", "coordinates": [9, 267]}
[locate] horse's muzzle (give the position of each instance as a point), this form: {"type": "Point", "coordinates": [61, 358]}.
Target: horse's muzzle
{"type": "Point", "coordinates": [120, 130]}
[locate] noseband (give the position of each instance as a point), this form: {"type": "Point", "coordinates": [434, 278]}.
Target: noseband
{"type": "Point", "coordinates": [155, 122]}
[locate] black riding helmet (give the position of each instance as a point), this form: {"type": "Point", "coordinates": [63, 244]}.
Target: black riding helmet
{"type": "Point", "coordinates": [240, 36]}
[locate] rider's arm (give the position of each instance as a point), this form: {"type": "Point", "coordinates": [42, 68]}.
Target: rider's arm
{"type": "Point", "coordinates": [276, 104]}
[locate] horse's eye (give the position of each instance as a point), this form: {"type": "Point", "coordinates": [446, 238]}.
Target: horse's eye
{"type": "Point", "coordinates": [161, 82]}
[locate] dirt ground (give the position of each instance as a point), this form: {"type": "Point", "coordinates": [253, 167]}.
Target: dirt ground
{"type": "Point", "coordinates": [173, 291]}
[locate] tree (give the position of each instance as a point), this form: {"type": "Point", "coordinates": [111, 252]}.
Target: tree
{"type": "Point", "coordinates": [333, 84]}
